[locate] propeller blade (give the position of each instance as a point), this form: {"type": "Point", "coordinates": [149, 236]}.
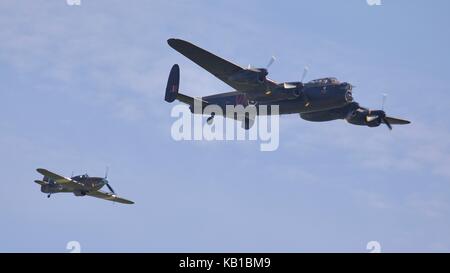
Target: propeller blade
{"type": "Point", "coordinates": [305, 71]}
{"type": "Point", "coordinates": [272, 60]}
{"type": "Point", "coordinates": [387, 123]}
{"type": "Point", "coordinates": [110, 188]}
{"type": "Point", "coordinates": [383, 101]}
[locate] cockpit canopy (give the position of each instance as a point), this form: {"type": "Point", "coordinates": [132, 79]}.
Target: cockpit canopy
{"type": "Point", "coordinates": [80, 177]}
{"type": "Point", "coordinates": [324, 81]}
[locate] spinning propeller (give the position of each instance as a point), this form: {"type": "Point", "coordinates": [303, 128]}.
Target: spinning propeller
{"type": "Point", "coordinates": [107, 183]}
{"type": "Point", "coordinates": [271, 61]}
{"type": "Point", "coordinates": [305, 72]}
{"type": "Point", "coordinates": [379, 114]}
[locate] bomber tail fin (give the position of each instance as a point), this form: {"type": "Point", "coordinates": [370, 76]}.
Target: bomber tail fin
{"type": "Point", "coordinates": [173, 84]}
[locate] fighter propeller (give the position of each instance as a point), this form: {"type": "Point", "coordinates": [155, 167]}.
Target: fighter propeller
{"type": "Point", "coordinates": [107, 182]}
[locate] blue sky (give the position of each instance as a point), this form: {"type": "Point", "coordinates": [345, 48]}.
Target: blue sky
{"type": "Point", "coordinates": [82, 89]}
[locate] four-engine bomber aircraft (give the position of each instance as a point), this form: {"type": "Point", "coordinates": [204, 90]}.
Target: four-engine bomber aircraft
{"type": "Point", "coordinates": [79, 185]}
{"type": "Point", "coordinates": [318, 100]}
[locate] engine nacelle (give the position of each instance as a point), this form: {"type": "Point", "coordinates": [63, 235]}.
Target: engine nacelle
{"type": "Point", "coordinates": [290, 90]}
{"type": "Point", "coordinates": [374, 123]}
{"type": "Point", "coordinates": [364, 117]}
{"type": "Point", "coordinates": [250, 76]}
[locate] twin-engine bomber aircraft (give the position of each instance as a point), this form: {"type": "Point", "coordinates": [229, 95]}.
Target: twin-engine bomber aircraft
{"type": "Point", "coordinates": [79, 185]}
{"type": "Point", "coordinates": [318, 100]}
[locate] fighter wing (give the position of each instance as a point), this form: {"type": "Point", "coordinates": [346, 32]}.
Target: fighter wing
{"type": "Point", "coordinates": [392, 120]}
{"type": "Point", "coordinates": [58, 179]}
{"type": "Point", "coordinates": [215, 65]}
{"type": "Point", "coordinates": [109, 196]}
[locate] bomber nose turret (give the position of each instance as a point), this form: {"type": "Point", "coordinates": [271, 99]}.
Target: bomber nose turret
{"type": "Point", "coordinates": [348, 96]}
{"type": "Point", "coordinates": [347, 87]}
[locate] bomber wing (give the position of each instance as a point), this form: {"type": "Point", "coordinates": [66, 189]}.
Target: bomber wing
{"type": "Point", "coordinates": [215, 65]}
{"type": "Point", "coordinates": [224, 70]}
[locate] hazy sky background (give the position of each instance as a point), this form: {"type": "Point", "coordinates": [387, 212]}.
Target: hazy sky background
{"type": "Point", "coordinates": [82, 88]}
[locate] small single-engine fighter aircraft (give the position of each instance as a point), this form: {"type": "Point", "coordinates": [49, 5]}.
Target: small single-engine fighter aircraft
{"type": "Point", "coordinates": [79, 185]}
{"type": "Point", "coordinates": [317, 100]}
